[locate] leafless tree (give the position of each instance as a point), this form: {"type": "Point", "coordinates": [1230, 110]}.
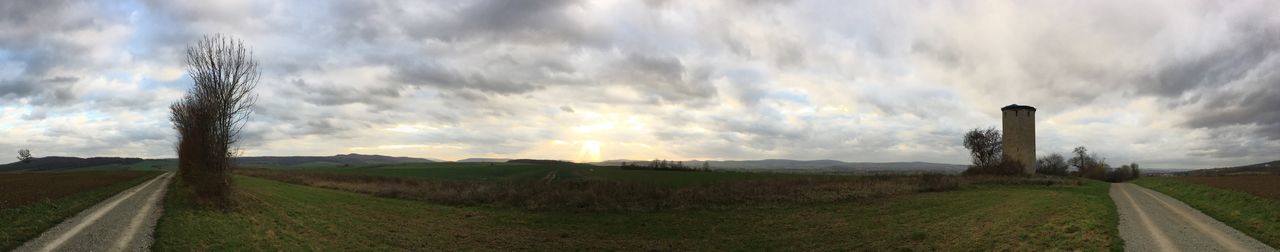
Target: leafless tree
{"type": "Point", "coordinates": [24, 155]}
{"type": "Point", "coordinates": [984, 146]}
{"type": "Point", "coordinates": [1053, 164]}
{"type": "Point", "coordinates": [209, 118]}
{"type": "Point", "coordinates": [1080, 159]}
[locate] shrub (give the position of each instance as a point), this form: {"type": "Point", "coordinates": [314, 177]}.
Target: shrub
{"type": "Point", "coordinates": [938, 183]}
{"type": "Point", "coordinates": [1053, 164]}
{"type": "Point", "coordinates": [1007, 167]}
{"type": "Point", "coordinates": [24, 155]}
{"type": "Point", "coordinates": [1124, 173]}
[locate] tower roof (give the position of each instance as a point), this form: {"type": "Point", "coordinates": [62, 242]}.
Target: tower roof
{"type": "Point", "coordinates": [1017, 107]}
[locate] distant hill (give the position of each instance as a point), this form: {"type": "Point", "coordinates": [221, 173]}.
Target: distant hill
{"type": "Point", "coordinates": [54, 163]}
{"type": "Point", "coordinates": [108, 163]}
{"type": "Point", "coordinates": [1272, 167]}
{"type": "Point", "coordinates": [541, 162]}
{"type": "Point", "coordinates": [833, 166]}
{"type": "Point", "coordinates": [484, 160]}
{"type": "Point", "coordinates": [351, 159]}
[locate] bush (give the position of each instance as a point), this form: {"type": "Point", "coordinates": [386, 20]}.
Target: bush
{"type": "Point", "coordinates": [1053, 164]}
{"type": "Point", "coordinates": [1007, 167]}
{"type": "Point", "coordinates": [938, 183]}
{"type": "Point", "coordinates": [1124, 173]}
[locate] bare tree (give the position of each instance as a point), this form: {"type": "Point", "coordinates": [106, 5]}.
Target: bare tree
{"type": "Point", "coordinates": [1080, 159]}
{"type": "Point", "coordinates": [1095, 166]}
{"type": "Point", "coordinates": [209, 118]}
{"type": "Point", "coordinates": [984, 147]}
{"type": "Point", "coordinates": [24, 155]}
{"type": "Point", "coordinates": [1053, 164]}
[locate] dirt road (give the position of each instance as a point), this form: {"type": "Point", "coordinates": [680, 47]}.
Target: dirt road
{"type": "Point", "coordinates": [121, 223]}
{"type": "Point", "coordinates": [1152, 221]}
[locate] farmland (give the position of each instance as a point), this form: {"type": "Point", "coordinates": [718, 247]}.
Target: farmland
{"type": "Point", "coordinates": [457, 171]}
{"type": "Point", "coordinates": [1228, 199]}
{"type": "Point", "coordinates": [519, 171]}
{"type": "Point", "coordinates": [25, 188]}
{"type": "Point", "coordinates": [595, 194]}
{"type": "Point", "coordinates": [1266, 186]}
{"type": "Point", "coordinates": [33, 202]}
{"type": "Point", "coordinates": [984, 215]}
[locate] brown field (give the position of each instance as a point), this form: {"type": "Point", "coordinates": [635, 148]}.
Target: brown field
{"type": "Point", "coordinates": [17, 189]}
{"type": "Point", "coordinates": [1267, 186]}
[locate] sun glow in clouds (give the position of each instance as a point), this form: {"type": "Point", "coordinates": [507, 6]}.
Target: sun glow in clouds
{"type": "Point", "coordinates": [590, 152]}
{"type": "Point", "coordinates": [404, 129]}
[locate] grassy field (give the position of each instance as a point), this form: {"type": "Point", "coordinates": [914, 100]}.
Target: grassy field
{"type": "Point", "coordinates": [1256, 216]}
{"type": "Point", "coordinates": [38, 201]}
{"type": "Point", "coordinates": [280, 216]}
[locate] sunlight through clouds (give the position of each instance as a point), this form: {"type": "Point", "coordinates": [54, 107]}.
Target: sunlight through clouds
{"type": "Point", "coordinates": [807, 79]}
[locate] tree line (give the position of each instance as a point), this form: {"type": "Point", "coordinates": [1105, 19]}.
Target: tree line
{"type": "Point", "coordinates": [665, 165]}
{"type": "Point", "coordinates": [988, 158]}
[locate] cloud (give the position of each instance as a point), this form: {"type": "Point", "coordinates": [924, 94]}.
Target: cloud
{"type": "Point", "coordinates": [435, 75]}
{"type": "Point", "coordinates": [1179, 84]}
{"type": "Point", "coordinates": [54, 91]}
{"type": "Point", "coordinates": [662, 77]}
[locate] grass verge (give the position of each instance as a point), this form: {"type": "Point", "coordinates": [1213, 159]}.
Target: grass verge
{"type": "Point", "coordinates": [276, 216]}
{"type": "Point", "coordinates": [24, 222]}
{"type": "Point", "coordinates": [1256, 216]}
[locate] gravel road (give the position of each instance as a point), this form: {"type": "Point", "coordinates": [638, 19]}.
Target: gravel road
{"type": "Point", "coordinates": [1152, 221]}
{"type": "Point", "coordinates": [121, 223]}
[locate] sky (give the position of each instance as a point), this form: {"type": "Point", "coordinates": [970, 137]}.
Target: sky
{"type": "Point", "coordinates": [1163, 83]}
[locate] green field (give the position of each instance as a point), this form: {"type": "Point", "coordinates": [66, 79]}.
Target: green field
{"type": "Point", "coordinates": [279, 216]}
{"type": "Point", "coordinates": [1256, 216]}
{"type": "Point", "coordinates": [26, 221]}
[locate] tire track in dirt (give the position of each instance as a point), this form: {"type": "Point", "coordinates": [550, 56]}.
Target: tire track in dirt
{"type": "Point", "coordinates": [1152, 221]}
{"type": "Point", "coordinates": [121, 223]}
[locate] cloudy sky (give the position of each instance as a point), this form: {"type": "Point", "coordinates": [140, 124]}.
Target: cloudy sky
{"type": "Point", "coordinates": [1168, 84]}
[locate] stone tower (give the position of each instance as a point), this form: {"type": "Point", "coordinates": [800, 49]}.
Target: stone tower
{"type": "Point", "coordinates": [1019, 141]}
